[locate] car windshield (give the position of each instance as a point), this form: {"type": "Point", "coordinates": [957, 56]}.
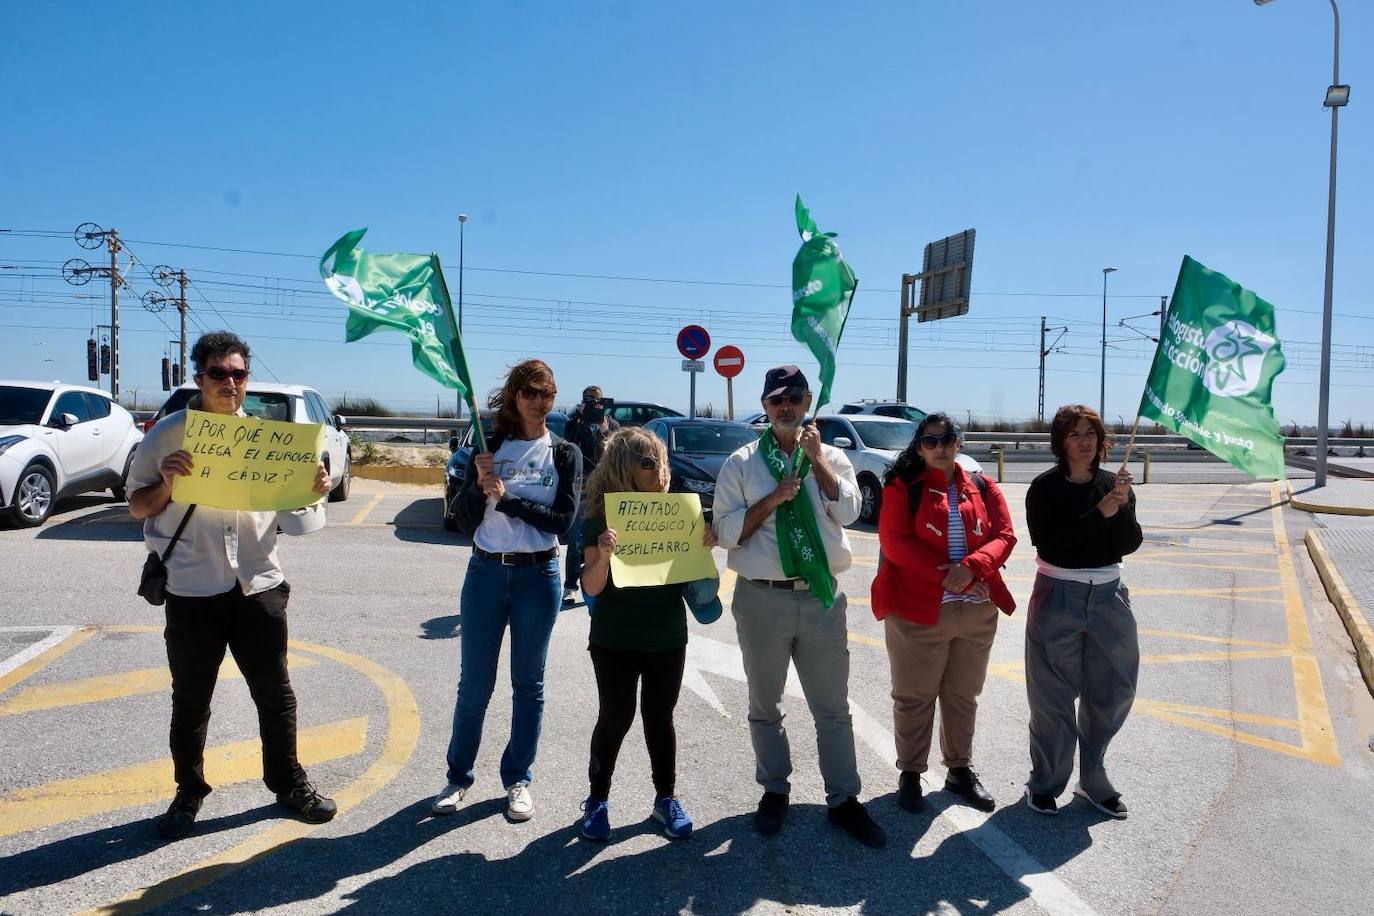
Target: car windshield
{"type": "Point", "coordinates": [888, 435]}
{"type": "Point", "coordinates": [267, 405]}
{"type": "Point", "coordinates": [711, 438]}
{"type": "Point", "coordinates": [22, 405]}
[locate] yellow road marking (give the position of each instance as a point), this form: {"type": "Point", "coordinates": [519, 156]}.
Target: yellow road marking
{"type": "Point", "coordinates": [1224, 640]}
{"type": "Point", "coordinates": [1318, 739]}
{"type": "Point", "coordinates": [1226, 656]}
{"type": "Point", "coordinates": [1152, 561]}
{"type": "Point", "coordinates": [363, 512]}
{"type": "Point", "coordinates": [866, 640]}
{"type": "Point", "coordinates": [144, 783]}
{"type": "Point", "coordinates": [38, 662]}
{"type": "Point", "coordinates": [403, 719]}
{"type": "Point", "coordinates": [114, 686]}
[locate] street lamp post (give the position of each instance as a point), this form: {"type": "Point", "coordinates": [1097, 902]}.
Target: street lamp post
{"type": "Point", "coordinates": [1102, 395]}
{"type": "Point", "coordinates": [1337, 97]}
{"type": "Point", "coordinates": [462, 222]}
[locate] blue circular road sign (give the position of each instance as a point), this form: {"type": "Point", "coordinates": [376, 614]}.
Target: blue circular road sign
{"type": "Point", "coordinates": [693, 342]}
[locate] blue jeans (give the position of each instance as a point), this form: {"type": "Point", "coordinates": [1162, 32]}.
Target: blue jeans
{"type": "Point", "coordinates": [527, 599]}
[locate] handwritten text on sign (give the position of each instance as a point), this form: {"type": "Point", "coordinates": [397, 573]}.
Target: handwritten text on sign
{"type": "Point", "coordinates": [249, 463]}
{"type": "Point", "coordinates": [658, 539]}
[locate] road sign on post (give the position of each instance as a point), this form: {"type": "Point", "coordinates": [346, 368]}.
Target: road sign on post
{"type": "Point", "coordinates": [729, 363]}
{"type": "Point", "coordinates": [946, 275]}
{"type": "Point", "coordinates": [693, 343]}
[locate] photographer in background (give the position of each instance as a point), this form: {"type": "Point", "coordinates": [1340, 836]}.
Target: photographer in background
{"type": "Point", "coordinates": [588, 428]}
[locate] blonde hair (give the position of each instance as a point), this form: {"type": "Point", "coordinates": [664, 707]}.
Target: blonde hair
{"type": "Point", "coordinates": [619, 466]}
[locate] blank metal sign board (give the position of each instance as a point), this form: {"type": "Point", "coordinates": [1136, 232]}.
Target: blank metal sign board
{"type": "Point", "coordinates": [946, 273]}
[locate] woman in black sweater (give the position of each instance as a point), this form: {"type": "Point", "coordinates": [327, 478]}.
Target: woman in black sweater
{"type": "Point", "coordinates": [1081, 640]}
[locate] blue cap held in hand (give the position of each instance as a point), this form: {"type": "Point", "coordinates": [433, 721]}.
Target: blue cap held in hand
{"type": "Point", "coordinates": [702, 599]}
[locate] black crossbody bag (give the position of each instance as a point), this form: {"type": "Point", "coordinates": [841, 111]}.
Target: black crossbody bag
{"type": "Point", "coordinates": [152, 585]}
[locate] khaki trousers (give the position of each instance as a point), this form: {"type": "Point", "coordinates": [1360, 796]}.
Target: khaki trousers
{"type": "Point", "coordinates": [948, 661]}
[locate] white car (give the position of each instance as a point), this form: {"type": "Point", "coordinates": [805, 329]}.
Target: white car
{"type": "Point", "coordinates": [57, 440]}
{"type": "Point", "coordinates": [294, 404]}
{"type": "Point", "coordinates": [873, 407]}
{"type": "Point", "coordinates": [871, 443]}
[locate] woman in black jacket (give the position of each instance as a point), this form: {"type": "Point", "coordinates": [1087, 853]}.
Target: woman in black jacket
{"type": "Point", "coordinates": [1080, 634]}
{"type": "Point", "coordinates": [522, 497]}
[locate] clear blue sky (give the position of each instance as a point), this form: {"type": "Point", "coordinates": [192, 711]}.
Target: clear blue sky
{"type": "Point", "coordinates": [666, 142]}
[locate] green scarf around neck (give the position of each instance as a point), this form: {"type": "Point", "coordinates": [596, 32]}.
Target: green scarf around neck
{"type": "Point", "coordinates": [799, 537]}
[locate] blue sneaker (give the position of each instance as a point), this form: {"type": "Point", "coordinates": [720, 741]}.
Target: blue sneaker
{"type": "Point", "coordinates": [596, 820]}
{"type": "Point", "coordinates": [676, 824]}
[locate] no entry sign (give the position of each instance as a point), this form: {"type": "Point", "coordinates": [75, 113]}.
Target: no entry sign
{"type": "Point", "coordinates": [729, 361]}
{"type": "Point", "coordinates": [693, 342]}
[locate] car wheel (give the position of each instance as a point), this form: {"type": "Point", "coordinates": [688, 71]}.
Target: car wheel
{"type": "Point", "coordinates": [340, 493]}
{"type": "Point", "coordinates": [450, 520]}
{"type": "Point", "coordinates": [33, 497]}
{"type": "Point", "coordinates": [870, 500]}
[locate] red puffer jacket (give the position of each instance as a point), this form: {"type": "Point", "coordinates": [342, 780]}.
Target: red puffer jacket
{"type": "Point", "coordinates": [908, 583]}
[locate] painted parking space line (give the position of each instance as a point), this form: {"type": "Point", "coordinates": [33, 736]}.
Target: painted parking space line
{"type": "Point", "coordinates": [114, 686]}
{"type": "Point", "coordinates": [145, 783]}
{"type": "Point", "coordinates": [59, 642]}
{"type": "Point", "coordinates": [358, 519]}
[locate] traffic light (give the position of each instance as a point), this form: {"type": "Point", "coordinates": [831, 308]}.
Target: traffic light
{"type": "Point", "coordinates": [91, 372]}
{"type": "Point", "coordinates": [104, 359]}
{"type": "Point", "coordinates": [166, 374]}
{"type": "Point", "coordinates": [176, 375]}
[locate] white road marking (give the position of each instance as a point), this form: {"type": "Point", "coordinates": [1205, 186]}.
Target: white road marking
{"type": "Point", "coordinates": [55, 636]}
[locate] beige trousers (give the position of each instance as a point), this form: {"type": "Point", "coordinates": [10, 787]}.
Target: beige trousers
{"type": "Point", "coordinates": [948, 661]}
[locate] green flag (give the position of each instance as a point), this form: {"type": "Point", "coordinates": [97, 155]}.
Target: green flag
{"type": "Point", "coordinates": [404, 292]}
{"type": "Point", "coordinates": [822, 289]}
{"type": "Point", "coordinates": [1214, 371]}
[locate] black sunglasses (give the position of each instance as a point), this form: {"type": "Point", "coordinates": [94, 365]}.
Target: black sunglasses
{"type": "Point", "coordinates": [533, 391]}
{"type": "Point", "coordinates": [778, 400]}
{"type": "Point", "coordinates": [219, 373]}
{"type": "Point", "coordinates": [647, 463]}
{"type": "Point", "coordinates": [948, 437]}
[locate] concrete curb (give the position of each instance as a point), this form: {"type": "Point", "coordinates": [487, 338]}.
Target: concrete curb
{"type": "Point", "coordinates": [1298, 502]}
{"type": "Point", "coordinates": [393, 474]}
{"type": "Point", "coordinates": [1351, 614]}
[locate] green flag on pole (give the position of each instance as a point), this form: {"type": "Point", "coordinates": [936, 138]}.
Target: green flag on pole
{"type": "Point", "coordinates": [822, 289]}
{"type": "Point", "coordinates": [404, 292]}
{"type": "Point", "coordinates": [1214, 371]}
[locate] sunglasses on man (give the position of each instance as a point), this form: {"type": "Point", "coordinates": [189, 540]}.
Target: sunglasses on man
{"type": "Point", "coordinates": [930, 440]}
{"type": "Point", "coordinates": [777, 400]}
{"type": "Point", "coordinates": [219, 373]}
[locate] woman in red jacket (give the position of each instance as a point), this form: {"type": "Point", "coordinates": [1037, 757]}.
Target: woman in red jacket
{"type": "Point", "coordinates": [944, 534]}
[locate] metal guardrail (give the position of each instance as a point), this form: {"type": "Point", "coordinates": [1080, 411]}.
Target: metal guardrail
{"type": "Point", "coordinates": [357, 422]}
{"type": "Point", "coordinates": [1042, 440]}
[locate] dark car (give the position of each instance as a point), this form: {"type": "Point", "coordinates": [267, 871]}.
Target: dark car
{"type": "Point", "coordinates": [461, 447]}
{"type": "Point", "coordinates": [637, 413]}
{"type": "Point", "coordinates": [697, 448]}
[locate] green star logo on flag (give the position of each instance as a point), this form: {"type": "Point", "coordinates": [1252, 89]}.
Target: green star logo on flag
{"type": "Point", "coordinates": [1227, 355]}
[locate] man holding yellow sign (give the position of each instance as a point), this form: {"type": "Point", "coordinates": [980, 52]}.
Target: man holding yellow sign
{"type": "Point", "coordinates": [225, 588]}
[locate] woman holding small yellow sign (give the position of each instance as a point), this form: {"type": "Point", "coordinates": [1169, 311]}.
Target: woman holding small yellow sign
{"type": "Point", "coordinates": [637, 633]}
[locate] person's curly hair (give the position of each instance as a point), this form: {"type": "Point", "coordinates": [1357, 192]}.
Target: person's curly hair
{"type": "Point", "coordinates": [216, 345]}
{"type": "Point", "coordinates": [1065, 419]}
{"type": "Point", "coordinates": [504, 400]}
{"type": "Point", "coordinates": [619, 465]}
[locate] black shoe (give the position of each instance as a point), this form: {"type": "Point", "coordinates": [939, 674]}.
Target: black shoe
{"type": "Point", "coordinates": [181, 815]}
{"type": "Point", "coordinates": [306, 801]}
{"type": "Point", "coordinates": [851, 816]}
{"type": "Point", "coordinates": [909, 792]}
{"type": "Point", "coordinates": [1112, 806]}
{"type": "Point", "coordinates": [964, 782]}
{"type": "Point", "coordinates": [772, 810]}
{"type": "Point", "coordinates": [1041, 802]}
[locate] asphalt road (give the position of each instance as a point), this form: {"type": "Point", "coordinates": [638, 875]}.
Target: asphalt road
{"type": "Point", "coordinates": [1245, 763]}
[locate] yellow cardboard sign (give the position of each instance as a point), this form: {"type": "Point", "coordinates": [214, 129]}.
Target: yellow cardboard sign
{"type": "Point", "coordinates": [249, 463]}
{"type": "Point", "coordinates": [658, 539]}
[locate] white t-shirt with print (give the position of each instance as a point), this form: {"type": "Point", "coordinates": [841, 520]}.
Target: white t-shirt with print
{"type": "Point", "coordinates": [526, 468]}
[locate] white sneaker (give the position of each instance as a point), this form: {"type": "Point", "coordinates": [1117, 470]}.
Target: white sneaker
{"type": "Point", "coordinates": [446, 802]}
{"type": "Point", "coordinates": [519, 802]}
{"type": "Point", "coordinates": [570, 596]}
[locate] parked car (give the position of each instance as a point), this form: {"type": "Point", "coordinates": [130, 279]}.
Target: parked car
{"type": "Point", "coordinates": [697, 448]}
{"type": "Point", "coordinates": [899, 409]}
{"type": "Point", "coordinates": [637, 413]}
{"type": "Point", "coordinates": [461, 447]}
{"type": "Point", "coordinates": [872, 442]}
{"type": "Point", "coordinates": [58, 440]}
{"type": "Point", "coordinates": [294, 404]}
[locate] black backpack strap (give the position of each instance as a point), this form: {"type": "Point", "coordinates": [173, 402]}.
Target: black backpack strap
{"type": "Point", "coordinates": [981, 483]}
{"type": "Point", "coordinates": [176, 537]}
